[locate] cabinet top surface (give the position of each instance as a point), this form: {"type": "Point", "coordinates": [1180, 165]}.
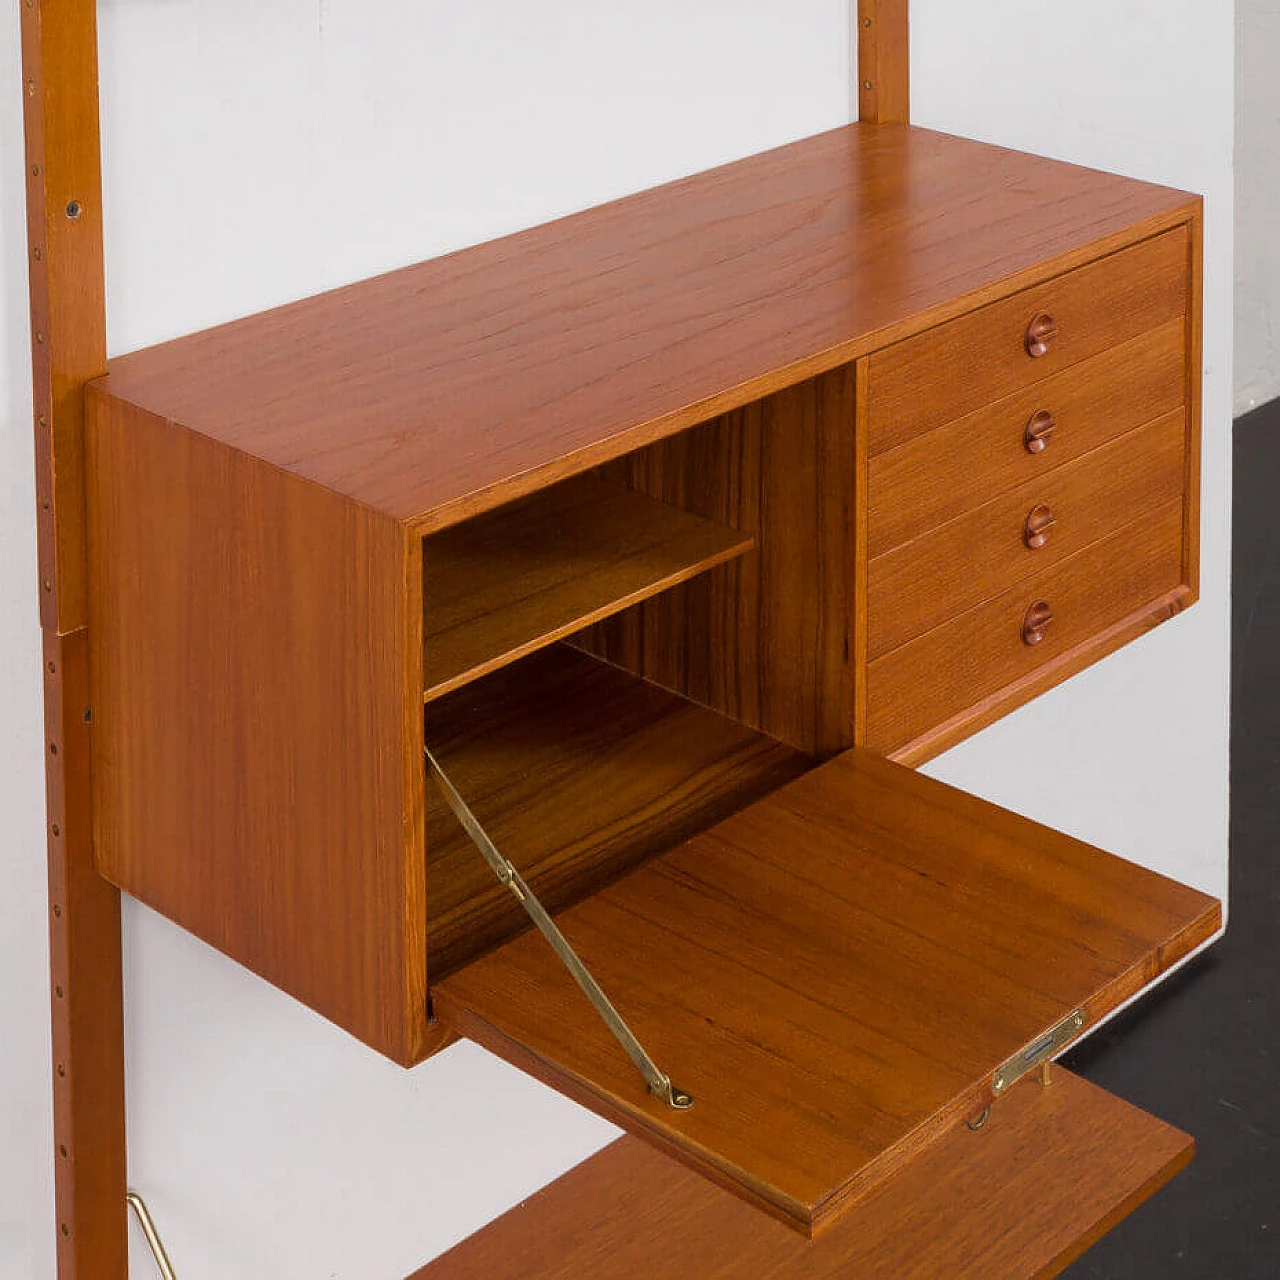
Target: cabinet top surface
{"type": "Point", "coordinates": [449, 387]}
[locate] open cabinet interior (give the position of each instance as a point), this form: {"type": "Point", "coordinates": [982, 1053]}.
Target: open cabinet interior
{"type": "Point", "coordinates": [839, 960]}
{"type": "Point", "coordinates": [674, 532]}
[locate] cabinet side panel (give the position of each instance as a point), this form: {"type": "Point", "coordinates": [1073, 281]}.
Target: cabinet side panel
{"type": "Point", "coordinates": [768, 639]}
{"type": "Point", "coordinates": [1195, 391]}
{"type": "Point", "coordinates": [253, 655]}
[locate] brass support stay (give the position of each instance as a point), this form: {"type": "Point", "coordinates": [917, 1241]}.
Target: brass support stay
{"type": "Point", "coordinates": [658, 1081]}
{"type": "Point", "coordinates": [148, 1225]}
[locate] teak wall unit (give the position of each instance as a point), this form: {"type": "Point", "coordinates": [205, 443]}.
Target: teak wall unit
{"type": "Point", "coordinates": [676, 530]}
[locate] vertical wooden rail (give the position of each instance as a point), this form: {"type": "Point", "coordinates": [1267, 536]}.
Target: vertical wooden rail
{"type": "Point", "coordinates": [68, 331]}
{"type": "Point", "coordinates": [884, 57]}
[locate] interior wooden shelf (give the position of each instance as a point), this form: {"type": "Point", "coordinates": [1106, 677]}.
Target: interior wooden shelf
{"type": "Point", "coordinates": [507, 583]}
{"type": "Point", "coordinates": [836, 974]}
{"type": "Point", "coordinates": [578, 771]}
{"type": "Point", "coordinates": [1051, 1171]}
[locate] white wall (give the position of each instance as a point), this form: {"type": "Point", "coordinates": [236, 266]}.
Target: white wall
{"type": "Point", "coordinates": [258, 150]}
{"type": "Point", "coordinates": [1257, 376]}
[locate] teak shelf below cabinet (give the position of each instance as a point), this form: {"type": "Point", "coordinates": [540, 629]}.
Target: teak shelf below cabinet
{"type": "Point", "coordinates": [677, 530]}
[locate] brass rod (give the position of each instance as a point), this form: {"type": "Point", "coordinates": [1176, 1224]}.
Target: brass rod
{"type": "Point", "coordinates": [149, 1229]}
{"type": "Point", "coordinates": [658, 1081]}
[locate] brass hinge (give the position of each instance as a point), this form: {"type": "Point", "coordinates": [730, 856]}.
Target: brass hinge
{"type": "Point", "coordinates": [658, 1081]}
{"type": "Point", "coordinates": [1037, 1052]}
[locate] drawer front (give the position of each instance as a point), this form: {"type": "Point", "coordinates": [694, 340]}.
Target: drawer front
{"type": "Point", "coordinates": [948, 371]}
{"type": "Point", "coordinates": [957, 467]}
{"type": "Point", "coordinates": [1023, 532]}
{"type": "Point", "coordinates": [966, 661]}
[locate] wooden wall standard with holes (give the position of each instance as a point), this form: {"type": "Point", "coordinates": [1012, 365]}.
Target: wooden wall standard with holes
{"type": "Point", "coordinates": [68, 325]}
{"type": "Point", "coordinates": [670, 529]}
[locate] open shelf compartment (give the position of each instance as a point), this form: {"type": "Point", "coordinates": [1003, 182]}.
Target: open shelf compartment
{"type": "Point", "coordinates": [510, 582]}
{"type": "Point", "coordinates": [837, 974]}
{"type": "Point", "coordinates": [1052, 1171]}
{"type": "Point", "coordinates": [578, 771]}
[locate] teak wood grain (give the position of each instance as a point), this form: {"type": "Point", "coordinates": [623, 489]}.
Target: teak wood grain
{"type": "Point", "coordinates": [450, 387]}
{"type": "Point", "coordinates": [884, 62]}
{"type": "Point", "coordinates": [578, 771]}
{"type": "Point", "coordinates": [65, 269]}
{"type": "Point", "coordinates": [515, 580]}
{"type": "Point", "coordinates": [257, 664]}
{"type": "Point", "coordinates": [766, 640]}
{"type": "Point", "coordinates": [86, 981]}
{"type": "Point", "coordinates": [63, 242]}
{"type": "Point", "coordinates": [833, 973]}
{"type": "Point", "coordinates": [958, 367]}
{"type": "Point", "coordinates": [942, 473]}
{"type": "Point", "coordinates": [942, 734]}
{"type": "Point", "coordinates": [1052, 1171]}
{"type": "Point", "coordinates": [980, 653]}
{"type": "Point", "coordinates": [950, 569]}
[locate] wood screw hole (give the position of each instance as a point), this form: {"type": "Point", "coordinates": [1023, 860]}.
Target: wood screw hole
{"type": "Point", "coordinates": [62, 1151]}
{"type": "Point", "coordinates": [57, 830]}
{"type": "Point", "coordinates": [53, 668]}
{"type": "Point", "coordinates": [31, 88]}
{"type": "Point", "coordinates": [866, 22]}
{"type": "Point", "coordinates": [53, 748]}
{"type": "Point", "coordinates": [57, 911]}
{"type": "Point", "coordinates": [66, 1230]}
{"type": "Point", "coordinates": [88, 715]}
{"type": "Point", "coordinates": [48, 586]}
{"type": "Point", "coordinates": [62, 1071]}
{"type": "Point", "coordinates": [39, 253]}
{"type": "Point", "coordinates": [58, 992]}
{"type": "Point", "coordinates": [39, 336]}
{"type": "Point", "coordinates": [74, 210]}
{"type": "Point", "coordinates": [866, 84]}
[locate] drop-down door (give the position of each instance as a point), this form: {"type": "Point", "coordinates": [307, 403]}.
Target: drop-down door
{"type": "Point", "coordinates": [839, 975]}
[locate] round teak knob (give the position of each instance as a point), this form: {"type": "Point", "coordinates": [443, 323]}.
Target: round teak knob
{"type": "Point", "coordinates": [1040, 333]}
{"type": "Point", "coordinates": [1040, 427]}
{"type": "Point", "coordinates": [1035, 528]}
{"type": "Point", "coordinates": [1036, 622]}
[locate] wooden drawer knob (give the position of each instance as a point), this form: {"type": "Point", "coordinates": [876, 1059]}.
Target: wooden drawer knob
{"type": "Point", "coordinates": [1040, 428]}
{"type": "Point", "coordinates": [1036, 622]}
{"type": "Point", "coordinates": [1035, 528]}
{"type": "Point", "coordinates": [1040, 333]}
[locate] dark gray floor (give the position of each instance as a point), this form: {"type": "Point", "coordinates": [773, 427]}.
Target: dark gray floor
{"type": "Point", "coordinates": [1204, 1053]}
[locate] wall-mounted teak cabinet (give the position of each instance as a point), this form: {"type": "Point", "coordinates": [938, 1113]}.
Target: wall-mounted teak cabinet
{"type": "Point", "coordinates": [676, 530]}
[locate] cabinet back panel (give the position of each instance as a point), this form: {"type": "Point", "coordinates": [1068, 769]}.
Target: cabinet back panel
{"type": "Point", "coordinates": [768, 639]}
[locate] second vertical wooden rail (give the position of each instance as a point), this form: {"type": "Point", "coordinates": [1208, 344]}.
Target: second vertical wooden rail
{"type": "Point", "coordinates": [884, 62]}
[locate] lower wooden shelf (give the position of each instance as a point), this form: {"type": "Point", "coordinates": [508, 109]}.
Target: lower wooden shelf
{"type": "Point", "coordinates": [1052, 1170]}
{"type": "Point", "coordinates": [837, 974]}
